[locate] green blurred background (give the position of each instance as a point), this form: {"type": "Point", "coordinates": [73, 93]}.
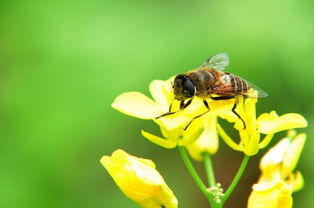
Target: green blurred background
{"type": "Point", "coordinates": [63, 63]}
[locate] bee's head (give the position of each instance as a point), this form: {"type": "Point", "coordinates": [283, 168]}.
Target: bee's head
{"type": "Point", "coordinates": [183, 87]}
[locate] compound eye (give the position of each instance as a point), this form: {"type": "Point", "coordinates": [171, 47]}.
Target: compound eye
{"type": "Point", "coordinates": [188, 89]}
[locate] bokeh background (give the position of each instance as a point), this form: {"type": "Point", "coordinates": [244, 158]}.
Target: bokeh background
{"type": "Point", "coordinates": [63, 63]}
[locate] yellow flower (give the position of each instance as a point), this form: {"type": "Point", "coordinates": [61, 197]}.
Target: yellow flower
{"type": "Point", "coordinates": [267, 123]}
{"type": "Point", "coordinates": [172, 126]}
{"type": "Point", "coordinates": [139, 180]}
{"type": "Point", "coordinates": [277, 181]}
{"type": "Point", "coordinates": [207, 141]}
{"type": "Point", "coordinates": [276, 196]}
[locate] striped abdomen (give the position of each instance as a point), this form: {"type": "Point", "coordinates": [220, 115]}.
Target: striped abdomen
{"type": "Point", "coordinates": [230, 85]}
{"type": "Point", "coordinates": [240, 85]}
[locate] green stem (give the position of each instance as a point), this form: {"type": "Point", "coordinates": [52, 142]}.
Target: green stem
{"type": "Point", "coordinates": [237, 178]}
{"type": "Point", "coordinates": [197, 179]}
{"type": "Point", "coordinates": [209, 169]}
{"type": "Point", "coordinates": [193, 172]}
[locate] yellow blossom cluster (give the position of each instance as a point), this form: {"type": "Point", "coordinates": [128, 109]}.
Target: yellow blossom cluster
{"type": "Point", "coordinates": [140, 181]}
{"type": "Point", "coordinates": [277, 181]}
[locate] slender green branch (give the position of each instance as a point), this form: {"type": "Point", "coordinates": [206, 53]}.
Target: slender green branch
{"type": "Point", "coordinates": [197, 179]}
{"type": "Point", "coordinates": [209, 169]}
{"type": "Point", "coordinates": [237, 178]}
{"type": "Point", "coordinates": [193, 172]}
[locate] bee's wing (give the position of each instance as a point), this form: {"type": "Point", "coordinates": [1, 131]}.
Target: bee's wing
{"type": "Point", "coordinates": [251, 94]}
{"type": "Point", "coordinates": [218, 61]}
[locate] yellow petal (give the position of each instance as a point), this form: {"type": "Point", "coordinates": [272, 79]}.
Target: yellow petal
{"type": "Point", "coordinates": [112, 168]}
{"type": "Point", "coordinates": [223, 109]}
{"type": "Point", "coordinates": [227, 139]}
{"type": "Point", "coordinates": [161, 92]}
{"type": "Point", "coordinates": [125, 161]}
{"type": "Point", "coordinates": [270, 123]}
{"type": "Point", "coordinates": [185, 137]}
{"type": "Point", "coordinates": [249, 141]}
{"type": "Point", "coordinates": [221, 105]}
{"type": "Point", "coordinates": [113, 163]}
{"type": "Point", "coordinates": [192, 132]}
{"type": "Point", "coordinates": [165, 143]}
{"type": "Point", "coordinates": [267, 139]}
{"type": "Point", "coordinates": [132, 186]}
{"type": "Point", "coordinates": [246, 109]}
{"type": "Point", "coordinates": [173, 121]}
{"type": "Point", "coordinates": [275, 155]}
{"type": "Point", "coordinates": [275, 196]}
{"type": "Point", "coordinates": [139, 180]}
{"type": "Point", "coordinates": [293, 154]}
{"type": "Point", "coordinates": [296, 181]}
{"type": "Point", "coordinates": [127, 178]}
{"type": "Point", "coordinates": [138, 105]}
{"type": "Point", "coordinates": [207, 141]}
{"type": "Point", "coordinates": [250, 113]}
{"type": "Point", "coordinates": [181, 118]}
{"type": "Point", "coordinates": [165, 198]}
{"type": "Point", "coordinates": [191, 136]}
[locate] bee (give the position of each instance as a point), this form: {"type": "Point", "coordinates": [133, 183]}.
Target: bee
{"type": "Point", "coordinates": [210, 82]}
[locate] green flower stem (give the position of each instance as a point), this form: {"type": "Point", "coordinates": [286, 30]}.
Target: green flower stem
{"type": "Point", "coordinates": [209, 169]}
{"type": "Point", "coordinates": [236, 179]}
{"type": "Point", "coordinates": [193, 172]}
{"type": "Point", "coordinates": [196, 177]}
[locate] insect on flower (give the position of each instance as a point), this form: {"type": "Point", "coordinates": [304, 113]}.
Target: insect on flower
{"type": "Point", "coordinates": [210, 82]}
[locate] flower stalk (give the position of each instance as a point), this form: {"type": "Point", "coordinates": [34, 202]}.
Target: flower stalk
{"type": "Point", "coordinates": [197, 179]}
{"type": "Point", "coordinates": [193, 172]}
{"type": "Point", "coordinates": [237, 178]}
{"type": "Point", "coordinates": [209, 169]}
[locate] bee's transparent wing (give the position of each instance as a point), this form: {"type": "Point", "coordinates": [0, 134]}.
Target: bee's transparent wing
{"type": "Point", "coordinates": [256, 92]}
{"type": "Point", "coordinates": [218, 61]}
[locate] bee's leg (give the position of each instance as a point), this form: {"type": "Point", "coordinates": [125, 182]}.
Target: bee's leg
{"type": "Point", "coordinates": [170, 106]}
{"type": "Point", "coordinates": [182, 107]}
{"type": "Point", "coordinates": [208, 109]}
{"type": "Point", "coordinates": [233, 110]}
{"type": "Point", "coordinates": [206, 104]}
{"type": "Point", "coordinates": [222, 98]}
